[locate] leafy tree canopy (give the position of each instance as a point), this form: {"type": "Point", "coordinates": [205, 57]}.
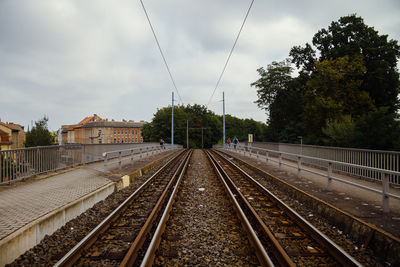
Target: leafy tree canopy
{"type": "Point", "coordinates": [347, 77]}
{"type": "Point", "coordinates": [39, 135]}
{"type": "Point", "coordinates": [349, 36]}
{"type": "Point", "coordinates": [205, 127]}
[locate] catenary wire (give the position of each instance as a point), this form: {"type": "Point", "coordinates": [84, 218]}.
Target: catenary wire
{"type": "Point", "coordinates": [161, 52]}
{"type": "Point", "coordinates": [230, 54]}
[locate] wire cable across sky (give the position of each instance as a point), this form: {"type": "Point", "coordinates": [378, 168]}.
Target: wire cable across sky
{"type": "Point", "coordinates": [161, 52]}
{"type": "Point", "coordinates": [230, 54]}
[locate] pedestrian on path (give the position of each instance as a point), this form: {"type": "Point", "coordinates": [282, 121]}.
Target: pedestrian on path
{"type": "Point", "coordinates": [235, 142]}
{"type": "Point", "coordinates": [228, 142]}
{"type": "Point", "coordinates": [162, 143]}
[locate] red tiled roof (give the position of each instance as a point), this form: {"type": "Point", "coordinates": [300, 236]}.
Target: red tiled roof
{"type": "Point", "coordinates": [11, 126]}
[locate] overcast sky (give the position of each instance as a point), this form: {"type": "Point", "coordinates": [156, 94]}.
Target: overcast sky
{"type": "Point", "coordinates": [70, 59]}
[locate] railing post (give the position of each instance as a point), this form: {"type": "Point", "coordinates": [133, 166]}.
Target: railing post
{"type": "Point", "coordinates": [141, 153]}
{"type": "Point", "coordinates": [120, 159]}
{"type": "Point", "coordinates": [132, 156]}
{"type": "Point", "coordinates": [267, 157]}
{"type": "Point", "coordinates": [299, 167]}
{"type": "Point", "coordinates": [258, 160]}
{"type": "Point", "coordinates": [329, 176]}
{"type": "Point", "coordinates": [280, 161]}
{"type": "Point", "coordinates": [105, 162]}
{"type": "Point", "coordinates": [385, 190]}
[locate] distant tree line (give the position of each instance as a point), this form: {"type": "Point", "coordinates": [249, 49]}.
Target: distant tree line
{"type": "Point", "coordinates": [345, 93]}
{"type": "Point", "coordinates": [203, 125]}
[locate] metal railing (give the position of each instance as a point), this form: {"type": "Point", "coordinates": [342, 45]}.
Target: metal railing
{"type": "Point", "coordinates": [279, 156]}
{"type": "Point", "coordinates": [128, 154]}
{"type": "Point", "coordinates": [17, 164]}
{"type": "Point", "coordinates": [388, 160]}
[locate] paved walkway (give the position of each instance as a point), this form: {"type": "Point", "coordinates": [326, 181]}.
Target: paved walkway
{"type": "Point", "coordinates": [24, 203]}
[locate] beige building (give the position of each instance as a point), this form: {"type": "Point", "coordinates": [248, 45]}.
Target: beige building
{"type": "Point", "coordinates": [95, 130]}
{"type": "Point", "coordinates": [107, 132]}
{"type": "Point", "coordinates": [11, 136]}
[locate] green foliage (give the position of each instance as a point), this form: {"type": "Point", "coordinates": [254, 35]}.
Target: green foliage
{"type": "Point", "coordinates": [348, 81]}
{"type": "Point", "coordinates": [203, 125]}
{"type": "Point", "coordinates": [273, 80]}
{"type": "Point", "coordinates": [282, 97]}
{"type": "Point", "coordinates": [341, 133]}
{"type": "Point", "coordinates": [350, 36]}
{"type": "Point", "coordinates": [39, 135]}
{"type": "Point", "coordinates": [377, 129]}
{"type": "Point", "coordinates": [8, 169]}
{"type": "Point", "coordinates": [334, 92]}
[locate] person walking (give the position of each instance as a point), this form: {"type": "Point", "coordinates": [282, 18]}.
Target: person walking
{"type": "Point", "coordinates": [235, 142]}
{"type": "Point", "coordinates": [162, 143]}
{"type": "Point", "coordinates": [228, 142]}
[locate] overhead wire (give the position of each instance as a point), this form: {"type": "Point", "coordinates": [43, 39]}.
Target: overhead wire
{"type": "Point", "coordinates": [230, 54]}
{"type": "Point", "coordinates": [161, 52]}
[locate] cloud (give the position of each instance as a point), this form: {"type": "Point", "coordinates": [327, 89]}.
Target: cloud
{"type": "Point", "coordinates": [69, 59]}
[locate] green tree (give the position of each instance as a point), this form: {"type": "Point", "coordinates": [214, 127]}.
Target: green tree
{"type": "Point", "coordinates": [203, 125]}
{"type": "Point", "coordinates": [349, 36]}
{"type": "Point", "coordinates": [341, 133]}
{"type": "Point", "coordinates": [349, 71]}
{"type": "Point", "coordinates": [334, 91]}
{"type": "Point", "coordinates": [282, 97]}
{"type": "Point", "coordinates": [39, 135]}
{"type": "Point", "coordinates": [273, 81]}
{"type": "Point", "coordinates": [377, 129]}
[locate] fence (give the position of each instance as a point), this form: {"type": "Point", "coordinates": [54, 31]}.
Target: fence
{"type": "Point", "coordinates": [279, 156]}
{"type": "Point", "coordinates": [17, 164]}
{"type": "Point", "coordinates": [128, 154]}
{"type": "Point", "coordinates": [388, 160]}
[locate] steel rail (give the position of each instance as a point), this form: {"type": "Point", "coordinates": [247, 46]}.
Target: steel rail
{"type": "Point", "coordinates": [155, 241]}
{"type": "Point", "coordinates": [334, 250]}
{"type": "Point", "coordinates": [75, 253]}
{"type": "Point", "coordinates": [260, 251]}
{"type": "Point", "coordinates": [277, 250]}
{"type": "Point", "coordinates": [137, 244]}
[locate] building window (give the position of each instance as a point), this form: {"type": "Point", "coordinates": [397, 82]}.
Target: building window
{"type": "Point", "coordinates": [115, 131]}
{"type": "Point", "coordinates": [135, 131]}
{"type": "Point", "coordinates": [119, 141]}
{"type": "Point", "coordinates": [126, 132]}
{"type": "Point", "coordinates": [136, 139]}
{"type": "Point", "coordinates": [115, 140]}
{"type": "Point", "coordinates": [100, 141]}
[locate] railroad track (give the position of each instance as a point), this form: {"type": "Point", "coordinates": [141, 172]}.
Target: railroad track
{"type": "Point", "coordinates": [119, 239]}
{"type": "Point", "coordinates": [282, 237]}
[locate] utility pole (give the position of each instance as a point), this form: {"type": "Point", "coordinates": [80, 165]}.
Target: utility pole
{"type": "Point", "coordinates": [202, 142]}
{"type": "Point", "coordinates": [187, 133]}
{"type": "Point", "coordinates": [223, 119]}
{"type": "Point", "coordinates": [172, 124]}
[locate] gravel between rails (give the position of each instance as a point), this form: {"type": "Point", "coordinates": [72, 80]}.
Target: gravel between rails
{"type": "Point", "coordinates": [52, 248]}
{"type": "Point", "coordinates": [203, 229]}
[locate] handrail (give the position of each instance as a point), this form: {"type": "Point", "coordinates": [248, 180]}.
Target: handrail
{"type": "Point", "coordinates": [325, 160]}
{"type": "Point", "coordinates": [298, 158]}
